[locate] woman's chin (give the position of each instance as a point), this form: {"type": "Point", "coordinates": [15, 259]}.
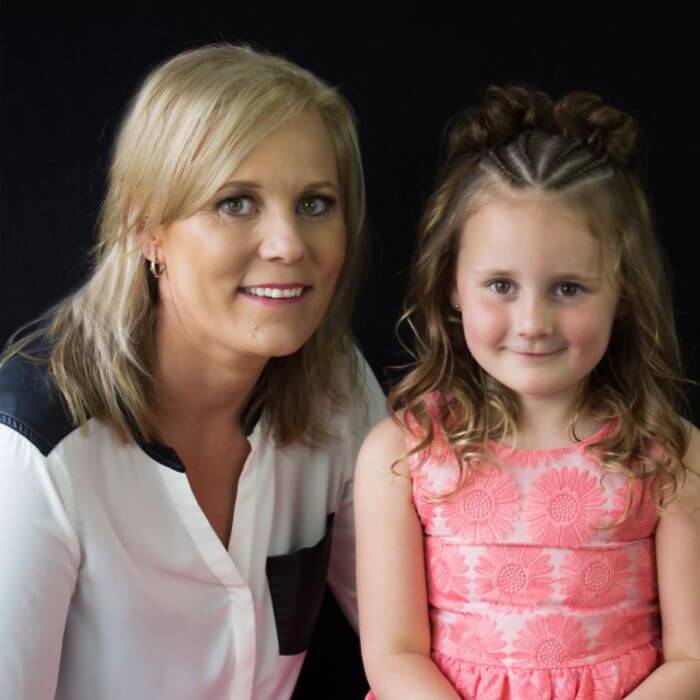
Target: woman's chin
{"type": "Point", "coordinates": [266, 347]}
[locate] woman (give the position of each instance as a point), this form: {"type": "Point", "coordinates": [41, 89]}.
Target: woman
{"type": "Point", "coordinates": [177, 438]}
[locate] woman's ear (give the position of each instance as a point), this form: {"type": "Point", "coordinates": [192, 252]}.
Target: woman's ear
{"type": "Point", "coordinates": [622, 308]}
{"type": "Point", "coordinates": [149, 242]}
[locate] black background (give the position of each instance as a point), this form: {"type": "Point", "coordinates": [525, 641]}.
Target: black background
{"type": "Point", "coordinates": [67, 73]}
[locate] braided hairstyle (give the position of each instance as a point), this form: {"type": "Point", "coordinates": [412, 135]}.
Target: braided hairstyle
{"type": "Point", "coordinates": [585, 153]}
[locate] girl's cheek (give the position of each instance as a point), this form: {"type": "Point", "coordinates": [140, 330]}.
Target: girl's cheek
{"type": "Point", "coordinates": [484, 323]}
{"type": "Point", "coordinates": [588, 328]}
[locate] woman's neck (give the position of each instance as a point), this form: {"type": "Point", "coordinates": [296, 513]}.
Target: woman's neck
{"type": "Point", "coordinates": [199, 391]}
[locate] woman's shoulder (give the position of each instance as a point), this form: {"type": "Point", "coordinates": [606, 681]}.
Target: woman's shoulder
{"type": "Point", "coordinates": [30, 403]}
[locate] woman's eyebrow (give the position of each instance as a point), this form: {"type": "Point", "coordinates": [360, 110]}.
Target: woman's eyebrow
{"type": "Point", "coordinates": [321, 184]}
{"type": "Point", "coordinates": [251, 184]}
{"type": "Point", "coordinates": [247, 184]}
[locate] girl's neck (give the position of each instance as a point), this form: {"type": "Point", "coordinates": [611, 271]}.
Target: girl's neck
{"type": "Point", "coordinates": [545, 424]}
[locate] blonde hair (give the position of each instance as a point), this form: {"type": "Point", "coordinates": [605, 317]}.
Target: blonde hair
{"type": "Point", "coordinates": [194, 119]}
{"type": "Point", "coordinates": [585, 153]}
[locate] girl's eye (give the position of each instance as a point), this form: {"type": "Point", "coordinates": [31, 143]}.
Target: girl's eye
{"type": "Point", "coordinates": [237, 206]}
{"type": "Point", "coordinates": [501, 286]}
{"type": "Point", "coordinates": [315, 206]}
{"type": "Point", "coordinates": [569, 289]}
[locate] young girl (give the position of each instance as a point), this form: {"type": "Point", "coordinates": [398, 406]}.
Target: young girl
{"type": "Point", "coordinates": [529, 523]}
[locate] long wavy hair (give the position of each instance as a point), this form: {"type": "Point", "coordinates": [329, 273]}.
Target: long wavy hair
{"type": "Point", "coordinates": [585, 153]}
{"type": "Point", "coordinates": [194, 119]}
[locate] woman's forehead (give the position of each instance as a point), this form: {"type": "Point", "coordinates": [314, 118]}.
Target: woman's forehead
{"type": "Point", "coordinates": [300, 147]}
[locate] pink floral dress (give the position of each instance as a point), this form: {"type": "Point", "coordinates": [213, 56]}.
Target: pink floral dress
{"type": "Point", "coordinates": [532, 593]}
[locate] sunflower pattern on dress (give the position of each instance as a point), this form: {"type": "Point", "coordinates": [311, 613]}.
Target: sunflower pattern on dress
{"type": "Point", "coordinates": [537, 586]}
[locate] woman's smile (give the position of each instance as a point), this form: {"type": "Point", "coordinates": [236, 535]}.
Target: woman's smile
{"type": "Point", "coordinates": [265, 252]}
{"type": "Point", "coordinates": [285, 294]}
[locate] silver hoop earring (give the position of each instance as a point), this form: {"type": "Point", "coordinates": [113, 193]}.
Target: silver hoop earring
{"type": "Point", "coordinates": [157, 268]}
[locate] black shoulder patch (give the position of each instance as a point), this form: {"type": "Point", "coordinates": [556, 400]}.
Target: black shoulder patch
{"type": "Point", "coordinates": [31, 404]}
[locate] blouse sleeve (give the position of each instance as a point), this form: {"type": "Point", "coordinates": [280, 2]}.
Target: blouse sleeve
{"type": "Point", "coordinates": [366, 412]}
{"type": "Point", "coordinates": [39, 559]}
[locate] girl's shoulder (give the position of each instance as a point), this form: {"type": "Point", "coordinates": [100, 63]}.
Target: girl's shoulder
{"type": "Point", "coordinates": [387, 437]}
{"type": "Point", "coordinates": [407, 424]}
{"type": "Point", "coordinates": [683, 480]}
{"type": "Point", "coordinates": [392, 440]}
{"type": "Point", "coordinates": [381, 459]}
{"type": "Point", "coordinates": [692, 455]}
{"type": "Point", "coordinates": [420, 432]}
{"type": "Point", "coordinates": [689, 484]}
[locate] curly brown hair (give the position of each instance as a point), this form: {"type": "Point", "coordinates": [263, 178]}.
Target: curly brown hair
{"type": "Point", "coordinates": [586, 153]}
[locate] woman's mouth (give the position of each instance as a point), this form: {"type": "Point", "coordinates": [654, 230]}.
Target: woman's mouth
{"type": "Point", "coordinates": [275, 294]}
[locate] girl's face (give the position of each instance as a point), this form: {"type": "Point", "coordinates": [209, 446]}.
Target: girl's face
{"type": "Point", "coordinates": [536, 297]}
{"type": "Point", "coordinates": [254, 271]}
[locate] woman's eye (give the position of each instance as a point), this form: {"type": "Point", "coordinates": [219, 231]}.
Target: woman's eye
{"type": "Point", "coordinates": [315, 206]}
{"type": "Point", "coordinates": [501, 286]}
{"type": "Point", "coordinates": [237, 206]}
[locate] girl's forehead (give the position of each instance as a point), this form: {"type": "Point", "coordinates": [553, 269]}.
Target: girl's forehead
{"type": "Point", "coordinates": [524, 230]}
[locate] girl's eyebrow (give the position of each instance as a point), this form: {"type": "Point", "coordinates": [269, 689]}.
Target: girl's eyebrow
{"type": "Point", "coordinates": [494, 272]}
{"type": "Point", "coordinates": [576, 277]}
{"type": "Point", "coordinates": [559, 276]}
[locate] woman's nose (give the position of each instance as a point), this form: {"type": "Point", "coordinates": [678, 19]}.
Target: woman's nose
{"type": "Point", "coordinates": [281, 238]}
{"type": "Point", "coordinates": [535, 318]}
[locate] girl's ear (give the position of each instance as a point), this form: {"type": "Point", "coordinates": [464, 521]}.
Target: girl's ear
{"type": "Point", "coordinates": [454, 299]}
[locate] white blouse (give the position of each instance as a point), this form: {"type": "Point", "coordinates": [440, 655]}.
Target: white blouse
{"type": "Point", "coordinates": [113, 584]}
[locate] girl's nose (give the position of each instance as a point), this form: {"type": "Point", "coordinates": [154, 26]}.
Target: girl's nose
{"type": "Point", "coordinates": [281, 238]}
{"type": "Point", "coordinates": [535, 318]}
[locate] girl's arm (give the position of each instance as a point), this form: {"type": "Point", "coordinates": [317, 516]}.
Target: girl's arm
{"type": "Point", "coordinates": [678, 566]}
{"type": "Point", "coordinates": [394, 627]}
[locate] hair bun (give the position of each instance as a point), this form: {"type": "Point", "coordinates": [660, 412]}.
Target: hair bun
{"type": "Point", "coordinates": [586, 117]}
{"type": "Point", "coordinates": [504, 113]}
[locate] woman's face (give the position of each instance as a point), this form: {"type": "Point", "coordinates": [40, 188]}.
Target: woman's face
{"type": "Point", "coordinates": [253, 272]}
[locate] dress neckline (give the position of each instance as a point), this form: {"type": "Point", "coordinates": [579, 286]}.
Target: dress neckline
{"type": "Point", "coordinates": [534, 455]}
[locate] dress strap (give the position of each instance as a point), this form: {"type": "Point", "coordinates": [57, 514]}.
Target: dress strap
{"type": "Point", "coordinates": [438, 448]}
